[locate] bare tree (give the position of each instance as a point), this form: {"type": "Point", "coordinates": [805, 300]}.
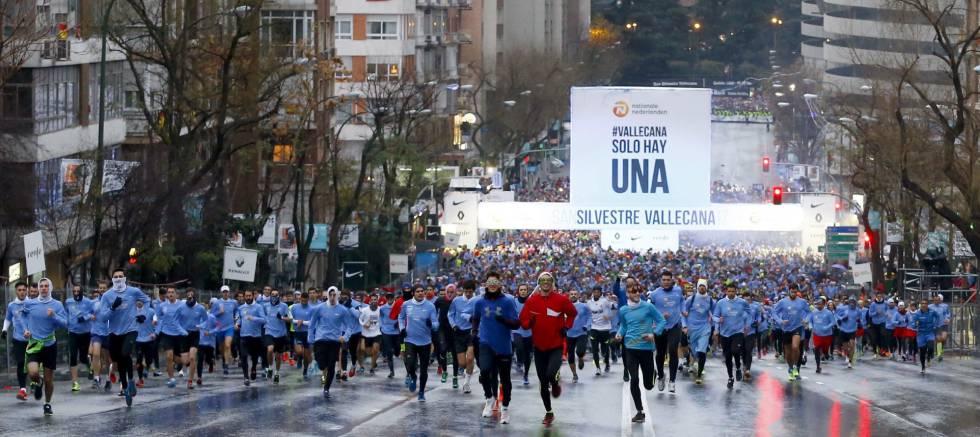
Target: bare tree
{"type": "Point", "coordinates": [20, 33]}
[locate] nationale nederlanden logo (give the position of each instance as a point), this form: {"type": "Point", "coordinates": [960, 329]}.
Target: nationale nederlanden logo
{"type": "Point", "coordinates": [621, 109]}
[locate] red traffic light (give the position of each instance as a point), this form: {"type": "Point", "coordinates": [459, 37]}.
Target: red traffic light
{"type": "Point", "coordinates": [132, 260]}
{"type": "Point", "coordinates": [868, 238]}
{"type": "Point", "coordinates": [777, 195]}
{"type": "Point", "coordinates": [765, 164]}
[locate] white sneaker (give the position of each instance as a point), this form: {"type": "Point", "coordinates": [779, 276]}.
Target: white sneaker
{"type": "Point", "coordinates": [466, 387]}
{"type": "Point", "coordinates": [181, 373]}
{"type": "Point", "coordinates": [670, 387]}
{"type": "Point", "coordinates": [661, 383]}
{"type": "Point", "coordinates": [488, 409]}
{"type": "Point", "coordinates": [598, 371]}
{"type": "Point", "coordinates": [504, 416]}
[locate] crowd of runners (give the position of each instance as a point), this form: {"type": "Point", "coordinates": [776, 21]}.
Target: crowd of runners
{"type": "Point", "coordinates": [542, 299]}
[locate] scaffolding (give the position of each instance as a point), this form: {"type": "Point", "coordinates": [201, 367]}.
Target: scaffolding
{"type": "Point", "coordinates": [964, 323]}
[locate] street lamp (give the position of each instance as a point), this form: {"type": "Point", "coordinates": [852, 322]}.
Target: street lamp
{"type": "Point", "coordinates": [696, 26]}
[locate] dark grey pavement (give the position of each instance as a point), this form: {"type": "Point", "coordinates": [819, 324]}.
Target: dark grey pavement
{"type": "Point", "coordinates": [876, 398]}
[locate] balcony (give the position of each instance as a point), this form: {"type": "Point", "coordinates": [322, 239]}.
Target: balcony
{"type": "Point", "coordinates": [461, 4]}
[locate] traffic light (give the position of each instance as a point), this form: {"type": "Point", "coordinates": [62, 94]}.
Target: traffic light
{"type": "Point", "coordinates": [777, 195]}
{"type": "Point", "coordinates": [132, 256]}
{"type": "Point", "coordinates": [765, 164]}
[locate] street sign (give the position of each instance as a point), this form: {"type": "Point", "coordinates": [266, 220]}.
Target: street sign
{"type": "Point", "coordinates": [397, 263]}
{"type": "Point", "coordinates": [239, 264]}
{"type": "Point", "coordinates": [842, 238]}
{"type": "Point", "coordinates": [353, 275]}
{"type": "Point", "coordinates": [34, 251]}
{"type": "Point", "coordinates": [842, 229]}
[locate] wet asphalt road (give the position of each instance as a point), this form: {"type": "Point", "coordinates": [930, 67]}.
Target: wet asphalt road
{"type": "Point", "coordinates": [876, 398]}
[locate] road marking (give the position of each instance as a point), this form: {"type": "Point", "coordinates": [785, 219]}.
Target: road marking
{"type": "Point", "coordinates": [627, 425]}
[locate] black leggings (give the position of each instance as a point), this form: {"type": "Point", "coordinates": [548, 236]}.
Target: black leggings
{"type": "Point", "coordinates": [204, 353]}
{"type": "Point", "coordinates": [747, 346]}
{"type": "Point", "coordinates": [250, 347]}
{"type": "Point", "coordinates": [667, 344]}
{"type": "Point", "coordinates": [925, 353]}
{"type": "Point", "coordinates": [575, 346]}
{"type": "Point", "coordinates": [144, 356]}
{"type": "Point", "coordinates": [444, 350]}
{"type": "Point", "coordinates": [494, 372]}
{"type": "Point", "coordinates": [637, 359]}
{"type": "Point", "coordinates": [523, 347]}
{"type": "Point", "coordinates": [78, 348]}
{"type": "Point", "coordinates": [326, 353]}
{"type": "Point", "coordinates": [19, 348]}
{"type": "Point", "coordinates": [390, 349]}
{"type": "Point", "coordinates": [732, 348]}
{"type": "Point", "coordinates": [121, 350]}
{"type": "Point", "coordinates": [600, 344]}
{"type": "Point", "coordinates": [547, 364]}
{"type": "Point", "coordinates": [417, 360]}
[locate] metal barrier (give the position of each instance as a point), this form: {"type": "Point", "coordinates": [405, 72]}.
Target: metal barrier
{"type": "Point", "coordinates": [963, 304]}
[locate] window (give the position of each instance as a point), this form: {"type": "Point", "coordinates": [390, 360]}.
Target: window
{"type": "Point", "coordinates": [383, 69]}
{"type": "Point", "coordinates": [500, 31]}
{"type": "Point", "coordinates": [345, 27]}
{"type": "Point", "coordinates": [344, 71]}
{"type": "Point", "coordinates": [282, 153]}
{"type": "Point", "coordinates": [114, 93]}
{"type": "Point", "coordinates": [132, 100]}
{"type": "Point", "coordinates": [285, 33]}
{"type": "Point", "coordinates": [17, 103]}
{"type": "Point", "coordinates": [382, 28]}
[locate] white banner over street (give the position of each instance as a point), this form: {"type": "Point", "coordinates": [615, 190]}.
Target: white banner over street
{"type": "Point", "coordinates": [640, 146]}
{"type": "Point", "coordinates": [240, 264]}
{"type": "Point", "coordinates": [565, 216]}
{"type": "Point", "coordinates": [640, 240]}
{"type": "Point", "coordinates": [397, 263]}
{"type": "Point", "coordinates": [819, 211]}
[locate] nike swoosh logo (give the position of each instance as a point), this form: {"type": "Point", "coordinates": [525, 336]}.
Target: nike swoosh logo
{"type": "Point", "coordinates": [815, 205]}
{"type": "Point", "coordinates": [635, 238]}
{"type": "Point", "coordinates": [351, 275]}
{"type": "Point", "coordinates": [455, 203]}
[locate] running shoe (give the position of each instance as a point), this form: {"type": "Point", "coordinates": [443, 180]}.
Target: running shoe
{"type": "Point", "coordinates": [639, 417]}
{"type": "Point", "coordinates": [466, 387]}
{"type": "Point", "coordinates": [180, 374]}
{"type": "Point", "coordinates": [661, 384]}
{"type": "Point", "coordinates": [326, 393]}
{"type": "Point", "coordinates": [698, 380]}
{"type": "Point", "coordinates": [391, 374]}
{"type": "Point", "coordinates": [107, 387]}
{"type": "Point", "coordinates": [555, 389]}
{"type": "Point", "coordinates": [549, 418]}
{"type": "Point", "coordinates": [172, 382]}
{"type": "Point", "coordinates": [598, 371]}
{"type": "Point", "coordinates": [607, 367]}
{"type": "Point", "coordinates": [408, 380]}
{"type": "Point", "coordinates": [421, 396]}
{"type": "Point", "coordinates": [504, 416]}
{"type": "Point", "coordinates": [819, 369]}
{"type": "Point", "coordinates": [796, 373]}
{"type": "Point", "coordinates": [199, 382]}
{"type": "Point", "coordinates": [575, 378]}
{"type": "Point", "coordinates": [488, 408]}
{"type": "Point", "coordinates": [411, 385]}
{"type": "Point", "coordinates": [275, 379]}
{"type": "Point", "coordinates": [738, 375]}
{"type": "Point", "coordinates": [36, 387]}
{"type": "Point", "coordinates": [47, 410]}
{"type": "Point", "coordinates": [748, 376]}
{"type": "Point", "coordinates": [190, 384]}
{"type": "Point", "coordinates": [671, 388]}
{"type": "Point", "coordinates": [445, 376]}
{"type": "Point", "coordinates": [626, 377]}
{"type": "Point", "coordinates": [248, 382]}
{"type": "Point", "coordinates": [157, 373]}
{"type": "Point", "coordinates": [268, 373]}
{"type": "Point", "coordinates": [792, 377]}
{"type": "Point", "coordinates": [360, 370]}
{"type": "Point", "coordinates": [731, 383]}
{"type": "Point", "coordinates": [22, 394]}
{"type": "Point", "coordinates": [455, 383]}
{"type": "Point", "coordinates": [128, 394]}
{"type": "Point", "coordinates": [75, 386]}
{"type": "Point", "coordinates": [526, 382]}
{"type": "Point", "coordinates": [849, 365]}
{"type": "Point", "coordinates": [351, 372]}
{"type": "Point", "coordinates": [140, 383]}
{"type": "Point", "coordinates": [581, 364]}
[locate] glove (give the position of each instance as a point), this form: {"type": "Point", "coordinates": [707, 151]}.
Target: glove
{"type": "Point", "coordinates": [81, 319]}
{"type": "Point", "coordinates": [116, 303]}
{"type": "Point", "coordinates": [140, 318]}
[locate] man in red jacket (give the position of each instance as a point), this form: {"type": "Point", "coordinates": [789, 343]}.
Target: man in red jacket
{"type": "Point", "coordinates": [548, 315]}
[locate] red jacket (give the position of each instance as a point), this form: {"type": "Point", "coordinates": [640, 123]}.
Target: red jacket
{"type": "Point", "coordinates": [396, 308]}
{"type": "Point", "coordinates": [545, 317]}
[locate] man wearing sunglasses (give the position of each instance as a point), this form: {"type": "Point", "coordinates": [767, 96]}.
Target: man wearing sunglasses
{"type": "Point", "coordinates": [548, 315]}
